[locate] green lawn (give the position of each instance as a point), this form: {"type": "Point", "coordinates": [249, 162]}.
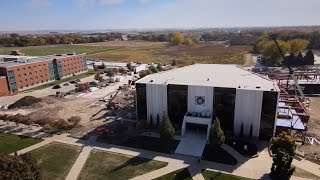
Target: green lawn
{"type": "Point", "coordinates": [106, 165]}
{"type": "Point", "coordinates": [208, 175]}
{"type": "Point", "coordinates": [56, 159]}
{"type": "Point", "coordinates": [181, 174]}
{"type": "Point", "coordinates": [12, 143]}
{"type": "Point", "coordinates": [218, 155]}
{"type": "Point", "coordinates": [146, 143]}
{"type": "Point", "coordinates": [58, 49]}
{"type": "Point", "coordinates": [83, 75]}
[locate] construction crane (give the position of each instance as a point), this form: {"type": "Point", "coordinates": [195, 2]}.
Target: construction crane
{"type": "Point", "coordinates": [291, 72]}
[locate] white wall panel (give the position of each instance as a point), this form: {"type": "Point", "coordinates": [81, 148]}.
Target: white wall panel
{"type": "Point", "coordinates": [206, 92]}
{"type": "Point", "coordinates": [156, 101]}
{"type": "Point", "coordinates": [248, 111]}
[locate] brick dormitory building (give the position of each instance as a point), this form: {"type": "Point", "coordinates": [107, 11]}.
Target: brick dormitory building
{"type": "Point", "coordinates": [24, 72]}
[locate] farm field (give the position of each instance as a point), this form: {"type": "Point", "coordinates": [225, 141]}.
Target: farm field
{"type": "Point", "coordinates": [148, 52]}
{"type": "Point", "coordinates": [101, 164]}
{"type": "Point", "coordinates": [57, 49]}
{"type": "Point", "coordinates": [184, 55]}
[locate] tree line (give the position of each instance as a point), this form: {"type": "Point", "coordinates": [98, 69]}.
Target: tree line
{"type": "Point", "coordinates": [292, 49]}
{"type": "Point", "coordinates": [15, 40]}
{"type": "Point", "coordinates": [247, 37]}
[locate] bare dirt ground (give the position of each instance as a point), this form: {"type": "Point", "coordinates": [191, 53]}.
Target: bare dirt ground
{"type": "Point", "coordinates": [86, 107]}
{"type": "Point", "coordinates": [314, 127]}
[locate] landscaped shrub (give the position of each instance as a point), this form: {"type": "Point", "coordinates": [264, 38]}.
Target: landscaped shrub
{"type": "Point", "coordinates": [283, 142]}
{"type": "Point", "coordinates": [281, 166]}
{"type": "Point", "coordinates": [166, 128]}
{"type": "Point", "coordinates": [216, 136]}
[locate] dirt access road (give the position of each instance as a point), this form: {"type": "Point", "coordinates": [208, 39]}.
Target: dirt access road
{"type": "Point", "coordinates": [41, 93]}
{"type": "Point", "coordinates": [314, 127]}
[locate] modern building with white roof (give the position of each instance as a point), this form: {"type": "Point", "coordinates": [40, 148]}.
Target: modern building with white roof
{"type": "Point", "coordinates": [193, 96]}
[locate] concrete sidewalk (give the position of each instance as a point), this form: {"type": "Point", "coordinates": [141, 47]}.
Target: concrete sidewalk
{"type": "Point", "coordinates": [30, 148]}
{"type": "Point", "coordinates": [255, 168]}
{"type": "Point", "coordinates": [77, 166]}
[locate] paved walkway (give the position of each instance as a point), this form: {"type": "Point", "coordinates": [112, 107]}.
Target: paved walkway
{"type": "Point", "coordinates": [256, 168]}
{"type": "Point", "coordinates": [192, 145]}
{"type": "Point", "coordinates": [77, 166]}
{"type": "Point", "coordinates": [196, 171]}
{"type": "Point", "coordinates": [30, 148]}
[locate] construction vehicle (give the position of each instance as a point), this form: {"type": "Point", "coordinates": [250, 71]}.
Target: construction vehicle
{"type": "Point", "coordinates": [291, 72]}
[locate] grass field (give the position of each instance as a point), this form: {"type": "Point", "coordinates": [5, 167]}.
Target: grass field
{"type": "Point", "coordinates": [56, 159]}
{"type": "Point", "coordinates": [208, 175]}
{"type": "Point", "coordinates": [106, 165]}
{"type": "Point", "coordinates": [181, 174]}
{"type": "Point", "coordinates": [58, 49]}
{"type": "Point", "coordinates": [144, 142]}
{"type": "Point", "coordinates": [12, 143]}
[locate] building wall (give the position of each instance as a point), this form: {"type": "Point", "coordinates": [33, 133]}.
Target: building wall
{"type": "Point", "coordinates": [141, 97]}
{"type": "Point", "coordinates": [247, 114]}
{"type": "Point", "coordinates": [4, 89]}
{"type": "Point", "coordinates": [27, 75]}
{"type": "Point", "coordinates": [224, 105]}
{"type": "Point", "coordinates": [268, 115]}
{"type": "Point", "coordinates": [234, 107]}
{"type": "Point", "coordinates": [156, 102]}
{"type": "Point", "coordinates": [72, 65]}
{"type": "Point", "coordinates": [177, 103]}
{"type": "Point", "coordinates": [197, 94]}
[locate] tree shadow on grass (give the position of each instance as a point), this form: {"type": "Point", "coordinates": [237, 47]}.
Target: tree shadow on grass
{"type": "Point", "coordinates": [135, 161]}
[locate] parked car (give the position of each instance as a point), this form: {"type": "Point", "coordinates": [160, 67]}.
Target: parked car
{"type": "Point", "coordinates": [66, 84]}
{"type": "Point", "coordinates": [78, 80]}
{"type": "Point", "coordinates": [56, 86]}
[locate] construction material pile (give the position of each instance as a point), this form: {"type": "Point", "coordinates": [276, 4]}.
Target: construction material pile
{"type": "Point", "coordinates": [25, 101]}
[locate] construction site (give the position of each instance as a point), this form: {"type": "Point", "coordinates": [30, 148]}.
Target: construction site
{"type": "Point", "coordinates": [298, 106]}
{"type": "Point", "coordinates": [93, 106]}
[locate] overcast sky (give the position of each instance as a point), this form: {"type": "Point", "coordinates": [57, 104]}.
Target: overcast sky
{"type": "Point", "coordinates": [125, 14]}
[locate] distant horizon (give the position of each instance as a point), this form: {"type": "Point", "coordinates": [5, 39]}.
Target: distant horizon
{"type": "Point", "coordinates": [87, 15]}
{"type": "Point", "coordinates": [159, 29]}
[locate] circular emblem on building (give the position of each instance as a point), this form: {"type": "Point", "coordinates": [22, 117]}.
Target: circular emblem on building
{"type": "Point", "coordinates": [200, 100]}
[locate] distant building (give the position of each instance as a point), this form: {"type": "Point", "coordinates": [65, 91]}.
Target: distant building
{"type": "Point", "coordinates": [193, 96]}
{"type": "Point", "coordinates": [124, 37]}
{"type": "Point", "coordinates": [24, 72]}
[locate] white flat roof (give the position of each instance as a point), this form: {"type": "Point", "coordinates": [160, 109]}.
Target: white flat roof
{"type": "Point", "coordinates": [216, 75]}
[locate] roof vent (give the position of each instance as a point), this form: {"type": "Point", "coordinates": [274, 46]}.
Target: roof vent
{"type": "Point", "coordinates": [151, 81]}
{"type": "Point", "coordinates": [258, 87]}
{"type": "Point", "coordinates": [239, 87]}
{"type": "Point", "coordinates": [208, 79]}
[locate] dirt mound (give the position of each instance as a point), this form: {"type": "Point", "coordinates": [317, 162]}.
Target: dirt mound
{"type": "Point", "coordinates": [25, 101]}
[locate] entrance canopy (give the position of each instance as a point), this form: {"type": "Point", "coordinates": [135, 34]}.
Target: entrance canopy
{"type": "Point", "coordinates": [196, 118]}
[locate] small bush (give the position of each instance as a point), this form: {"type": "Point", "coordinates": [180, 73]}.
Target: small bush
{"type": "Point", "coordinates": [166, 128]}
